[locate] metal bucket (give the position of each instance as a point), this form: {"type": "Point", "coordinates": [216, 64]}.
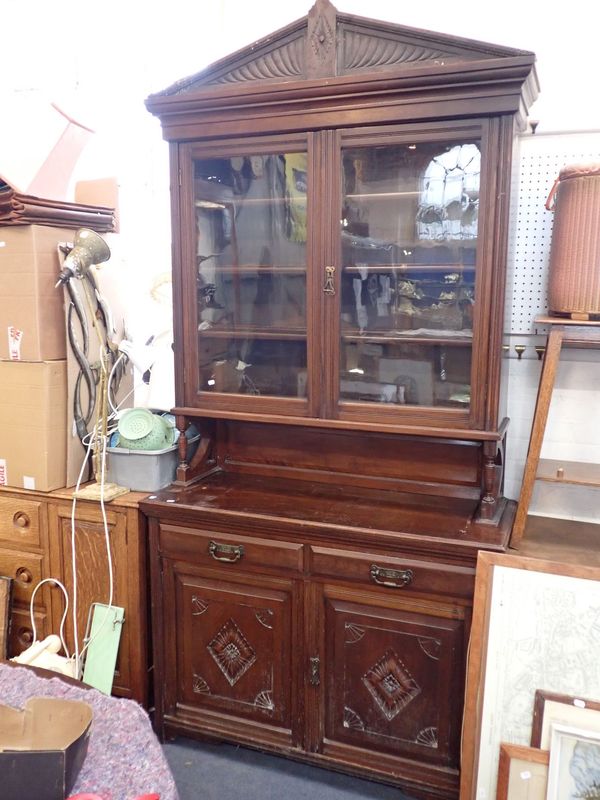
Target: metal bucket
{"type": "Point", "coordinates": [574, 279]}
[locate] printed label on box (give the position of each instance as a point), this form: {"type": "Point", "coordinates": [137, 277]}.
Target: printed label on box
{"type": "Point", "coordinates": [28, 482]}
{"type": "Point", "coordinates": [14, 343]}
{"type": "Point", "coordinates": [3, 475]}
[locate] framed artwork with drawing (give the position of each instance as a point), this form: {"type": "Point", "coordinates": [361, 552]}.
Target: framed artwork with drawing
{"type": "Point", "coordinates": [535, 626]}
{"type": "Point", "coordinates": [550, 708]}
{"type": "Point", "coordinates": [522, 773]}
{"type": "Point", "coordinates": [574, 768]}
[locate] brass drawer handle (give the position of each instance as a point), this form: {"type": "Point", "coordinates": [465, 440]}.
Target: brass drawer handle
{"type": "Point", "coordinates": [226, 552]}
{"type": "Point", "coordinates": [395, 578]}
{"type": "Point", "coordinates": [23, 575]}
{"type": "Point", "coordinates": [21, 520]}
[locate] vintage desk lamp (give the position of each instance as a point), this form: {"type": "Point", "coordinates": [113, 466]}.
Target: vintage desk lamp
{"type": "Point", "coordinates": [89, 249]}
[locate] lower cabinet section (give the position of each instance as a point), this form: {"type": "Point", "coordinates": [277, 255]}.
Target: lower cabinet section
{"type": "Point", "coordinates": [368, 679]}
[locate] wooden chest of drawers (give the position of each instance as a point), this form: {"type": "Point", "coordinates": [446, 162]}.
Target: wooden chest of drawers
{"type": "Point", "coordinates": [35, 543]}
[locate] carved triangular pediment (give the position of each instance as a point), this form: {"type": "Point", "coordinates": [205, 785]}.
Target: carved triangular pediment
{"type": "Point", "coordinates": [327, 43]}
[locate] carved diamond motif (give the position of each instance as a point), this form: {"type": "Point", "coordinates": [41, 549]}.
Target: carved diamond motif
{"type": "Point", "coordinates": [231, 652]}
{"type": "Point", "coordinates": [391, 685]}
{"type": "Point", "coordinates": [321, 38]}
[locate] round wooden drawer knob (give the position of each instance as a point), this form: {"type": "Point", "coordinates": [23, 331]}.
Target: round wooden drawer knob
{"type": "Point", "coordinates": [24, 575]}
{"type": "Point", "coordinates": [21, 520]}
{"type": "Point", "coordinates": [25, 636]}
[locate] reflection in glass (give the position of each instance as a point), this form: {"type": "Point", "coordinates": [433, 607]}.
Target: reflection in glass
{"type": "Point", "coordinates": [409, 238]}
{"type": "Point", "coordinates": [251, 230]}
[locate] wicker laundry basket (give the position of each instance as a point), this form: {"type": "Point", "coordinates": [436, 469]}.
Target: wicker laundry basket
{"type": "Point", "coordinates": [574, 280]}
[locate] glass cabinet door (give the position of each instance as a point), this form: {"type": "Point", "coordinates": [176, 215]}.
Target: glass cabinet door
{"type": "Point", "coordinates": [250, 216]}
{"type": "Point", "coordinates": [409, 226]}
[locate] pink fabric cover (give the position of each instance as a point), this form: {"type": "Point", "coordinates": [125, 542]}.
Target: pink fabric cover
{"type": "Point", "coordinates": [124, 760]}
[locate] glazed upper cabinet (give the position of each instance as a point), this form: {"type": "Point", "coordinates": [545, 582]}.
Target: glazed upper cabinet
{"type": "Point", "coordinates": [339, 244]}
{"type": "Point", "coordinates": [366, 308]}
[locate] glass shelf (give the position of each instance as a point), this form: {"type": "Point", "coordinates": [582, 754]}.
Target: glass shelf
{"type": "Point", "coordinates": [446, 268]}
{"type": "Point", "coordinates": [254, 333]}
{"type": "Point", "coordinates": [408, 337]}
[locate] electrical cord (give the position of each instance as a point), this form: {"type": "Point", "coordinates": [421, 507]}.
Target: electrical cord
{"type": "Point", "coordinates": [74, 556]}
{"type": "Point", "coordinates": [91, 442]}
{"type": "Point", "coordinates": [108, 553]}
{"type": "Point", "coordinates": [64, 616]}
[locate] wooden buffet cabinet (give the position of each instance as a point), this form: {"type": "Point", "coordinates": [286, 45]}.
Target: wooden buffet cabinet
{"type": "Point", "coordinates": [35, 543]}
{"type": "Point", "coordinates": [340, 202]}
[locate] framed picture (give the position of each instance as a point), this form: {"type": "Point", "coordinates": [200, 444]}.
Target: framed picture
{"type": "Point", "coordinates": [574, 769]}
{"type": "Point", "coordinates": [535, 625]}
{"type": "Point", "coordinates": [550, 708]}
{"type": "Point", "coordinates": [4, 614]}
{"type": "Point", "coordinates": [522, 773]}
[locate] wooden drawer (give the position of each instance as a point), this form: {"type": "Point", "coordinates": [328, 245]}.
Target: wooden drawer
{"type": "Point", "coordinates": [211, 548]}
{"type": "Point", "coordinates": [19, 522]}
{"type": "Point", "coordinates": [21, 632]}
{"type": "Point", "coordinates": [26, 571]}
{"type": "Point", "coordinates": [393, 573]}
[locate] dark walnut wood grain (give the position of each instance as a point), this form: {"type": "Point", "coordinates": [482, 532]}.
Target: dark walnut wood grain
{"type": "Point", "coordinates": [313, 565]}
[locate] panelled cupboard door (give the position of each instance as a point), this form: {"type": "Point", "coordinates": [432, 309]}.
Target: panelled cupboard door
{"type": "Point", "coordinates": [393, 678]}
{"type": "Point", "coordinates": [247, 231]}
{"type": "Point", "coordinates": [410, 228]}
{"type": "Point", "coordinates": [234, 639]}
{"type": "Point", "coordinates": [93, 579]}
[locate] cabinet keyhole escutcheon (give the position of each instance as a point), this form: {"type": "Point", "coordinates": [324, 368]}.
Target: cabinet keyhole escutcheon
{"type": "Point", "coordinates": [314, 673]}
{"type": "Point", "coordinates": [329, 286]}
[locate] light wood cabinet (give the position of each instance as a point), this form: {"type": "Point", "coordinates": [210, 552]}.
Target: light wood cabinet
{"type": "Point", "coordinates": [35, 543]}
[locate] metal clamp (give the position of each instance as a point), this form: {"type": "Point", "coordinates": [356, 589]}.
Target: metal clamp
{"type": "Point", "coordinates": [394, 578]}
{"type": "Point", "coordinates": [226, 552]}
{"type": "Point", "coordinates": [329, 287]}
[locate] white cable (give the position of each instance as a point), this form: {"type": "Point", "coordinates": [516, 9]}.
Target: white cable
{"type": "Point", "coordinates": [108, 553]}
{"type": "Point", "coordinates": [64, 616]}
{"type": "Point", "coordinates": [74, 556]}
{"type": "Point", "coordinates": [92, 440]}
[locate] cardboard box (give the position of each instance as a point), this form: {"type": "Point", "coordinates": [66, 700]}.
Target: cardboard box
{"type": "Point", "coordinates": [42, 747]}
{"type": "Point", "coordinates": [33, 424]}
{"type": "Point", "coordinates": [32, 318]}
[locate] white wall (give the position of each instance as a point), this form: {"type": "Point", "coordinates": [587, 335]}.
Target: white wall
{"type": "Point", "coordinates": [100, 61]}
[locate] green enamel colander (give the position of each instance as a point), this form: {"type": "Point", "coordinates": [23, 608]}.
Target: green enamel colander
{"type": "Point", "coordinates": [140, 429]}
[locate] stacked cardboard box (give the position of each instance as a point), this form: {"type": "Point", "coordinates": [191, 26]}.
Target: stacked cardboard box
{"type": "Point", "coordinates": [33, 366]}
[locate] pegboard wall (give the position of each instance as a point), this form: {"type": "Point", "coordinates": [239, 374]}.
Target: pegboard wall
{"type": "Point", "coordinates": [537, 162]}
